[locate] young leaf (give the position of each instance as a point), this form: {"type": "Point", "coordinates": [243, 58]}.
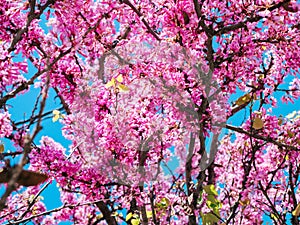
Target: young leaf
{"type": "Point", "coordinates": [210, 189]}
{"type": "Point", "coordinates": [257, 123]}
{"type": "Point", "coordinates": [111, 83]}
{"type": "Point", "coordinates": [209, 219]}
{"type": "Point", "coordinates": [116, 84]}
{"type": "Point", "coordinates": [135, 221]}
{"type": "Point", "coordinates": [1, 148]}
{"type": "Point", "coordinates": [296, 212]}
{"type": "Point", "coordinates": [245, 202]}
{"type": "Point", "coordinates": [128, 216]}
{"type": "Point", "coordinates": [120, 78]}
{"type": "Point", "coordinates": [274, 217]}
{"type": "Point", "coordinates": [163, 203]}
{"type": "Point", "coordinates": [243, 99]}
{"type": "Point", "coordinates": [123, 88]}
{"type": "Point", "coordinates": [149, 214]}
{"type": "Point", "coordinates": [56, 115]}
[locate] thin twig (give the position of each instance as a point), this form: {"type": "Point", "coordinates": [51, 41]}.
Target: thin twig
{"type": "Point", "coordinates": [260, 137]}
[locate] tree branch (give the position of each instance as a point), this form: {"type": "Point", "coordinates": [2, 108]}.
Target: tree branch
{"type": "Point", "coordinates": [31, 16]}
{"type": "Point", "coordinates": [127, 2]}
{"type": "Point", "coordinates": [260, 137]}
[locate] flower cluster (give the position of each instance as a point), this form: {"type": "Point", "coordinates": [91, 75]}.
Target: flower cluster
{"type": "Point", "coordinates": [5, 125]}
{"type": "Point", "coordinates": [147, 89]}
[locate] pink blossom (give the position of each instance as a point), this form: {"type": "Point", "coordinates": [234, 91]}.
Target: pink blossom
{"type": "Point", "coordinates": [5, 125]}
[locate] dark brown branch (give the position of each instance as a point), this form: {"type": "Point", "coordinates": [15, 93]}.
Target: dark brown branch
{"type": "Point", "coordinates": [153, 208]}
{"type": "Point", "coordinates": [31, 16]}
{"type": "Point", "coordinates": [127, 2]}
{"type": "Point", "coordinates": [33, 201]}
{"type": "Point", "coordinates": [239, 25]}
{"type": "Point", "coordinates": [63, 102]}
{"type": "Point", "coordinates": [106, 213]}
{"type": "Point", "coordinates": [237, 108]}
{"type": "Point", "coordinates": [251, 20]}
{"type": "Point", "coordinates": [17, 170]}
{"type": "Point", "coordinates": [34, 118]}
{"type": "Point", "coordinates": [271, 205]}
{"type": "Point", "coordinates": [197, 8]}
{"type": "Point", "coordinates": [260, 137]}
{"type": "Point", "coordinates": [26, 85]}
{"type": "Point", "coordinates": [294, 219]}
{"type": "Point", "coordinates": [23, 221]}
{"type": "Point", "coordinates": [12, 154]}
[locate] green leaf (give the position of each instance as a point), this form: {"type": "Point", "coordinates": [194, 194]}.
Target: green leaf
{"type": "Point", "coordinates": [111, 83]}
{"type": "Point", "coordinates": [212, 202]}
{"type": "Point", "coordinates": [163, 203]}
{"type": "Point", "coordinates": [129, 216]}
{"type": "Point", "coordinates": [123, 88]}
{"type": "Point", "coordinates": [209, 219]}
{"type": "Point", "coordinates": [120, 78]}
{"type": "Point", "coordinates": [135, 221]}
{"type": "Point", "coordinates": [210, 189]}
{"type": "Point", "coordinates": [149, 214]}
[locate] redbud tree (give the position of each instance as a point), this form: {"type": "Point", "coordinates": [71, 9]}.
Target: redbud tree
{"type": "Point", "coordinates": [168, 106]}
